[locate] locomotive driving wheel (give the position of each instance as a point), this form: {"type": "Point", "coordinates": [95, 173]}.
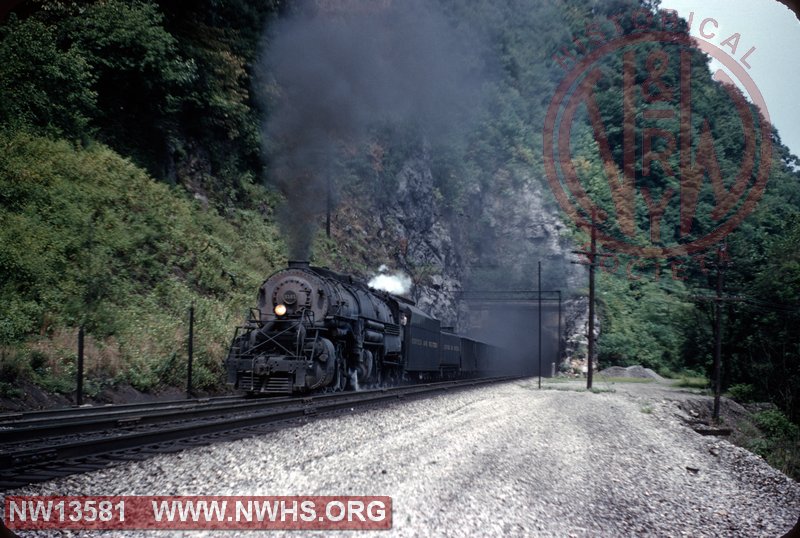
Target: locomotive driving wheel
{"type": "Point", "coordinates": [339, 381]}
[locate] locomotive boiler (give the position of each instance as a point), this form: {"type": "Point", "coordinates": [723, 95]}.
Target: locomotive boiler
{"type": "Point", "coordinates": [318, 330]}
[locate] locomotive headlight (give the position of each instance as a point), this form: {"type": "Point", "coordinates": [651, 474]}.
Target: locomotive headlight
{"type": "Point", "coordinates": [280, 309]}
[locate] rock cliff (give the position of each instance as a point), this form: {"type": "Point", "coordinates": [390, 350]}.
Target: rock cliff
{"type": "Point", "coordinates": [494, 245]}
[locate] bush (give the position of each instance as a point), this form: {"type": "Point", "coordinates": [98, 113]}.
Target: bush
{"type": "Point", "coordinates": [13, 367]}
{"type": "Point", "coordinates": [667, 373]}
{"type": "Point", "coordinates": [742, 393]}
{"type": "Point", "coordinates": [780, 444]}
{"type": "Point", "coordinates": [776, 425]}
{"type": "Point", "coordinates": [7, 390]}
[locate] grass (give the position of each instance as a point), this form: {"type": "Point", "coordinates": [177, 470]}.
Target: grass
{"type": "Point", "coordinates": [561, 379]}
{"type": "Point", "coordinates": [602, 379]}
{"type": "Point", "coordinates": [593, 390]}
{"type": "Point", "coordinates": [692, 382]}
{"type": "Point", "coordinates": [625, 379]}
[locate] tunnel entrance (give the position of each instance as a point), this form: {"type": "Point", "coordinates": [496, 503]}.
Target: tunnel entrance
{"type": "Point", "coordinates": [510, 319]}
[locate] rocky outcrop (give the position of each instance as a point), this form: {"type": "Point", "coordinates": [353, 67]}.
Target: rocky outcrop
{"type": "Point", "coordinates": [510, 226]}
{"type": "Point", "coordinates": [507, 226]}
{"type": "Point", "coordinates": [523, 226]}
{"type": "Point", "coordinates": [576, 327]}
{"type": "Point", "coordinates": [429, 253]}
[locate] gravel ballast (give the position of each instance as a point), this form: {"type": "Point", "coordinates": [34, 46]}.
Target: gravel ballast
{"type": "Point", "coordinates": [504, 460]}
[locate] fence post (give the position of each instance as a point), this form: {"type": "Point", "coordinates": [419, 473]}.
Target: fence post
{"type": "Point", "coordinates": [191, 352]}
{"type": "Point", "coordinates": [79, 388]}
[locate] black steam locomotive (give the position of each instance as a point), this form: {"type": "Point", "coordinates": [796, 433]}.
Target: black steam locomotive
{"type": "Point", "coordinates": [317, 330]}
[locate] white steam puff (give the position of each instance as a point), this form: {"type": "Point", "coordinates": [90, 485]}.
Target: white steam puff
{"type": "Point", "coordinates": [397, 283]}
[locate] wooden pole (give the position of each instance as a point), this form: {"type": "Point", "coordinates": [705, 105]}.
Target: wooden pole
{"type": "Point", "coordinates": [328, 202]}
{"type": "Point", "coordinates": [560, 347]}
{"type": "Point", "coordinates": [540, 324]}
{"type": "Point", "coordinates": [79, 388]}
{"type": "Point", "coordinates": [718, 336]}
{"type": "Point", "coordinates": [593, 256]}
{"type": "Point", "coordinates": [718, 298]}
{"type": "Point", "coordinates": [191, 352]}
{"type": "Point", "coordinates": [592, 260]}
{"type": "Point", "coordinates": [328, 211]}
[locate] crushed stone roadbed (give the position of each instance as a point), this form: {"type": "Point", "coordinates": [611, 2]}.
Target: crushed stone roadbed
{"type": "Point", "coordinates": [503, 460]}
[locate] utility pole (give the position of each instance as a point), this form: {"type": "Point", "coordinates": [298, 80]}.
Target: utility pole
{"type": "Point", "coordinates": [560, 336]}
{"type": "Point", "coordinates": [718, 298]}
{"type": "Point", "coordinates": [718, 336]}
{"type": "Point", "coordinates": [592, 258]}
{"type": "Point", "coordinates": [592, 255]}
{"type": "Point", "coordinates": [539, 337]}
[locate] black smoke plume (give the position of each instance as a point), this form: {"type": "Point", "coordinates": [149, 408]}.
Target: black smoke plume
{"type": "Point", "coordinates": [327, 76]}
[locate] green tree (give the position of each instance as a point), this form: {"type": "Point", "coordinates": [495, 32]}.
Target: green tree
{"type": "Point", "coordinates": [43, 86]}
{"type": "Point", "coordinates": [141, 79]}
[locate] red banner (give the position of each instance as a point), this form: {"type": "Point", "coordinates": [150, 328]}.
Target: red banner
{"type": "Point", "coordinates": [198, 512]}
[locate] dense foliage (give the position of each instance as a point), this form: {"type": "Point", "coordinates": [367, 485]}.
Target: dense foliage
{"type": "Point", "coordinates": [88, 238]}
{"type": "Point", "coordinates": [660, 314]}
{"type": "Point", "coordinates": [91, 95]}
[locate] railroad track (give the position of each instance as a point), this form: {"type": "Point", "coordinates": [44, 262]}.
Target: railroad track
{"type": "Point", "coordinates": [13, 417]}
{"type": "Point", "coordinates": [40, 446]}
{"type": "Point", "coordinates": [33, 427]}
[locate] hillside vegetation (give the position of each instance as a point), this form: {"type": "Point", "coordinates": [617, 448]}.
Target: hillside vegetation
{"type": "Point", "coordinates": [133, 184]}
{"type": "Point", "coordinates": [89, 238]}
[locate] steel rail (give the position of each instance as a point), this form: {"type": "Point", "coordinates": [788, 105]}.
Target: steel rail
{"type": "Point", "coordinates": [11, 417]}
{"type": "Point", "coordinates": [114, 418]}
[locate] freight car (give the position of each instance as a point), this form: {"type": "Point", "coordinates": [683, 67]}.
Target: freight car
{"type": "Point", "coordinates": [317, 330]}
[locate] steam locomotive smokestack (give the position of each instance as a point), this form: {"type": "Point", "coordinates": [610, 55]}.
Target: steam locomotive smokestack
{"type": "Point", "coordinates": [299, 264]}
